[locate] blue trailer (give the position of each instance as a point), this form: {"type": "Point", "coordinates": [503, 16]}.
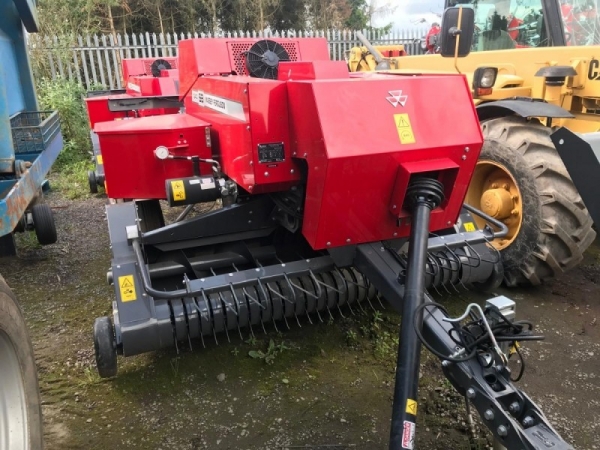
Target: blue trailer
{"type": "Point", "coordinates": [30, 141]}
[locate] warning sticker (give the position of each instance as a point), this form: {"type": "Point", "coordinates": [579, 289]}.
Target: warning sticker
{"type": "Point", "coordinates": [469, 226]}
{"type": "Point", "coordinates": [127, 288]}
{"type": "Point", "coordinates": [405, 131]}
{"type": "Point", "coordinates": [178, 190]}
{"type": "Point", "coordinates": [411, 406]}
{"type": "Point", "coordinates": [408, 435]}
{"type": "Point", "coordinates": [99, 159]}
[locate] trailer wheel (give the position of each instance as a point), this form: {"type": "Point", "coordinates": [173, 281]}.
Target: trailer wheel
{"type": "Point", "coordinates": [92, 182]}
{"type": "Point", "coordinates": [19, 387]}
{"type": "Point", "coordinates": [521, 180]}
{"type": "Point", "coordinates": [150, 215]}
{"type": "Point", "coordinates": [43, 223]}
{"type": "Point", "coordinates": [105, 347]}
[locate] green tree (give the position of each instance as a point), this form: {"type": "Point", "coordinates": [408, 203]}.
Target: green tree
{"type": "Point", "coordinates": [359, 18]}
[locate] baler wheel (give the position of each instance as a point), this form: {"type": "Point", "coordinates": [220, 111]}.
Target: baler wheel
{"type": "Point", "coordinates": [43, 223]}
{"type": "Point", "coordinates": [105, 347]}
{"type": "Point", "coordinates": [92, 182]}
{"type": "Point", "coordinates": [521, 180]}
{"type": "Point", "coordinates": [150, 215]}
{"type": "Point", "coordinates": [19, 387]}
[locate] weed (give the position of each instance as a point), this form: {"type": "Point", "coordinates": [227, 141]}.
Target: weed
{"type": "Point", "coordinates": [272, 351]}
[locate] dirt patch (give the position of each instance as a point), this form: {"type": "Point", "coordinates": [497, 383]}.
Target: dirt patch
{"type": "Point", "coordinates": [329, 385]}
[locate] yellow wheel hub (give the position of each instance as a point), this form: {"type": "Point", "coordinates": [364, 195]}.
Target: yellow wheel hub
{"type": "Point", "coordinates": [494, 191]}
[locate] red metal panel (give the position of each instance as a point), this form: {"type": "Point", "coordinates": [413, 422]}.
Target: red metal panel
{"type": "Point", "coordinates": [253, 112]}
{"type": "Point", "coordinates": [97, 108]}
{"type": "Point", "coordinates": [312, 70]}
{"type": "Point", "coordinates": [218, 56]}
{"type": "Point", "coordinates": [357, 162]}
{"type": "Point", "coordinates": [146, 86]}
{"type": "Point", "coordinates": [142, 66]}
{"type": "Point", "coordinates": [131, 169]}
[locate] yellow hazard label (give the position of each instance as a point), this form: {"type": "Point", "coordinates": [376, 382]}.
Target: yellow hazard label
{"type": "Point", "coordinates": [469, 226]}
{"type": "Point", "coordinates": [411, 406]}
{"type": "Point", "coordinates": [127, 288]}
{"type": "Point", "coordinates": [178, 190]}
{"type": "Point", "coordinates": [99, 159]}
{"type": "Point", "coordinates": [513, 348]}
{"type": "Point", "coordinates": [405, 131]}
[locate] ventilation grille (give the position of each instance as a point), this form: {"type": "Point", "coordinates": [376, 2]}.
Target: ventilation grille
{"type": "Point", "coordinates": [148, 64]}
{"type": "Point", "coordinates": [237, 50]}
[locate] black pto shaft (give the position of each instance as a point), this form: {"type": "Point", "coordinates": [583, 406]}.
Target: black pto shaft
{"type": "Point", "coordinates": [423, 196]}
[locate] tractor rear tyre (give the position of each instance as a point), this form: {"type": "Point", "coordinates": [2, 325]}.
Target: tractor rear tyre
{"type": "Point", "coordinates": [43, 223]}
{"type": "Point", "coordinates": [521, 181]}
{"type": "Point", "coordinates": [19, 388]}
{"type": "Point", "coordinates": [105, 347]}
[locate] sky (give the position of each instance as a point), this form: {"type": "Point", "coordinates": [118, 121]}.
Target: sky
{"type": "Point", "coordinates": [408, 12]}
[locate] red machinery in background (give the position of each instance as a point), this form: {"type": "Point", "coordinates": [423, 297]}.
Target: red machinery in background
{"type": "Point", "coordinates": [319, 200]}
{"type": "Point", "coordinates": [151, 89]}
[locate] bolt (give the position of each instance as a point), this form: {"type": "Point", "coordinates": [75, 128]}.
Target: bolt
{"type": "Point", "coordinates": [294, 154]}
{"type": "Point", "coordinates": [305, 155]}
{"type": "Point", "coordinates": [250, 187]}
{"type": "Point", "coordinates": [527, 421]}
{"type": "Point", "coordinates": [394, 207]}
{"type": "Point", "coordinates": [292, 171]}
{"type": "Point", "coordinates": [463, 157]}
{"type": "Point", "coordinates": [514, 197]}
{"type": "Point", "coordinates": [251, 163]}
{"type": "Point", "coordinates": [348, 240]}
{"type": "Point", "coordinates": [494, 186]}
{"type": "Point", "coordinates": [505, 187]}
{"type": "Point", "coordinates": [471, 393]}
{"type": "Point", "coordinates": [514, 407]}
{"type": "Point", "coordinates": [245, 91]}
{"type": "Point", "coordinates": [449, 223]}
{"type": "Point", "coordinates": [395, 234]}
{"type": "Point", "coordinates": [502, 431]}
{"type": "Point", "coordinates": [248, 127]}
{"type": "Point", "coordinates": [489, 414]}
{"type": "Point", "coordinates": [328, 244]}
{"type": "Point", "coordinates": [266, 174]}
{"type": "Point", "coordinates": [467, 149]}
{"type": "Point", "coordinates": [514, 212]}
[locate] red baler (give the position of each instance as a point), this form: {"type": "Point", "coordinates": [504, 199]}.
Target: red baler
{"type": "Point", "coordinates": [321, 192]}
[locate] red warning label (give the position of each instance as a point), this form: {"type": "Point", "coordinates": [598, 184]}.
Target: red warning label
{"type": "Point", "coordinates": [408, 435]}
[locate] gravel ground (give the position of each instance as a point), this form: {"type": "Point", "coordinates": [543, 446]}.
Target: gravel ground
{"type": "Point", "coordinates": [328, 386]}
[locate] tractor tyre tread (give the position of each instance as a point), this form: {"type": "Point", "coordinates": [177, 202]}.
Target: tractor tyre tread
{"type": "Point", "coordinates": [12, 324]}
{"type": "Point", "coordinates": [556, 228]}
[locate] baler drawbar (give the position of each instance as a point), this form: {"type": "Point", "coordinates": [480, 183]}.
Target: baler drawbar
{"type": "Point", "coordinates": [301, 218]}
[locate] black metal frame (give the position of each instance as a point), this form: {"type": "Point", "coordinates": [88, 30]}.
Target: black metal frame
{"type": "Point", "coordinates": [526, 428]}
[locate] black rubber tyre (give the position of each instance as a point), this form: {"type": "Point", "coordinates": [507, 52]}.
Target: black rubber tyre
{"type": "Point", "coordinates": [43, 223]}
{"type": "Point", "coordinates": [19, 389]}
{"type": "Point", "coordinates": [150, 215]}
{"type": "Point", "coordinates": [105, 347]}
{"type": "Point", "coordinates": [556, 228]}
{"type": "Point", "coordinates": [92, 182]}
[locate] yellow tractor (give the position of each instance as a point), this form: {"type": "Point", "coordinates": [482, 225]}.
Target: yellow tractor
{"type": "Point", "coordinates": [533, 66]}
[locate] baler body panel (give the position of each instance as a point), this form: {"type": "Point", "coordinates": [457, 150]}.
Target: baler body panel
{"type": "Point", "coordinates": [98, 111]}
{"type": "Point", "coordinates": [250, 129]}
{"type": "Point", "coordinates": [143, 66]}
{"type": "Point", "coordinates": [132, 170]}
{"type": "Point", "coordinates": [214, 56]}
{"type": "Point", "coordinates": [360, 162]}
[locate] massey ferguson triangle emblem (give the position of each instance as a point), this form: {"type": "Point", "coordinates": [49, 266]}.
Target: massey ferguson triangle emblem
{"type": "Point", "coordinates": [396, 98]}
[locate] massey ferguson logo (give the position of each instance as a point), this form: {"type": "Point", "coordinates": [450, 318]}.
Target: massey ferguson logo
{"type": "Point", "coordinates": [396, 98]}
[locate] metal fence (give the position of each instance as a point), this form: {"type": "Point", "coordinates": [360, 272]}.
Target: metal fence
{"type": "Point", "coordinates": [95, 61]}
